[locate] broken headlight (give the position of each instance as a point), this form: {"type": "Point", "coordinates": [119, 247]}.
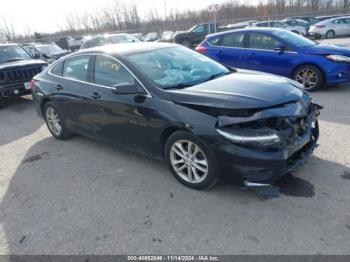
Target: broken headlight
{"type": "Point", "coordinates": [253, 137]}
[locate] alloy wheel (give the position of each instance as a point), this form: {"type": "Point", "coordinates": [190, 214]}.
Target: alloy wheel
{"type": "Point", "coordinates": [308, 77]}
{"type": "Point", "coordinates": [189, 161]}
{"type": "Point", "coordinates": [53, 121]}
{"type": "Point", "coordinates": [330, 34]}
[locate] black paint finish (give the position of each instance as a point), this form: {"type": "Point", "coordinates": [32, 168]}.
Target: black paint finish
{"type": "Point", "coordinates": [144, 119]}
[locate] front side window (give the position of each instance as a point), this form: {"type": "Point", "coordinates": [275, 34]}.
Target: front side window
{"type": "Point", "coordinates": [199, 29]}
{"type": "Point", "coordinates": [293, 38]}
{"type": "Point", "coordinates": [278, 25]}
{"type": "Point", "coordinates": [233, 40]}
{"type": "Point", "coordinates": [109, 72]}
{"type": "Point", "coordinates": [10, 53]}
{"type": "Point", "coordinates": [176, 67]}
{"type": "Point", "coordinates": [76, 68]}
{"type": "Point", "coordinates": [261, 41]}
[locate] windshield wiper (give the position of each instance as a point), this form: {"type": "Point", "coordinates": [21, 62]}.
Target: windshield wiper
{"type": "Point", "coordinates": [216, 76]}
{"type": "Point", "coordinates": [178, 86]}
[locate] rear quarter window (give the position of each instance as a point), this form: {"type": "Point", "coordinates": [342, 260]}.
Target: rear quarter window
{"type": "Point", "coordinates": [57, 69]}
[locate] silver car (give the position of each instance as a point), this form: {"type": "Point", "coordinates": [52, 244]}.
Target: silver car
{"type": "Point", "coordinates": [331, 27]}
{"type": "Point", "coordinates": [300, 30]}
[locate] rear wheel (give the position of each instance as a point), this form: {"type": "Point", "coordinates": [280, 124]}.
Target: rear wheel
{"type": "Point", "coordinates": [190, 160]}
{"type": "Point", "coordinates": [54, 122]}
{"type": "Point", "coordinates": [330, 34]}
{"type": "Point", "coordinates": [310, 76]}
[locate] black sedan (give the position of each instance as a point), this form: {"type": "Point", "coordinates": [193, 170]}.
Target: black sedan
{"type": "Point", "coordinates": [209, 122]}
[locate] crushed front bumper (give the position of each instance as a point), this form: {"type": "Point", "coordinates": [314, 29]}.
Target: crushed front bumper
{"type": "Point", "coordinates": [252, 168]}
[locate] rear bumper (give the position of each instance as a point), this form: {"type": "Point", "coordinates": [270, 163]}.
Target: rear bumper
{"type": "Point", "coordinates": [16, 89]}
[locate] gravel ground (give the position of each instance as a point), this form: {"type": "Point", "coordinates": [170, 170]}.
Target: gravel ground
{"type": "Point", "coordinates": [84, 197]}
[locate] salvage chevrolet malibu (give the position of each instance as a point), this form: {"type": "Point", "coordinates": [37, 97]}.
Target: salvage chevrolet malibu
{"type": "Point", "coordinates": [209, 122]}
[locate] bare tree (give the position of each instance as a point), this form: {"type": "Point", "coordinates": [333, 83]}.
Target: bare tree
{"type": "Point", "coordinates": [7, 30]}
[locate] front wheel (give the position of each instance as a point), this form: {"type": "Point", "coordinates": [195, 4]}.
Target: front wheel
{"type": "Point", "coordinates": [310, 76]}
{"type": "Point", "coordinates": [190, 160]}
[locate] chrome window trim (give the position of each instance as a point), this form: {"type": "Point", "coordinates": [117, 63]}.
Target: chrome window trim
{"type": "Point", "coordinates": [86, 82]}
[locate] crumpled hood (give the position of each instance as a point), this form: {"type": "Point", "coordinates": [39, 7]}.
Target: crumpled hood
{"type": "Point", "coordinates": [240, 90]}
{"type": "Point", "coordinates": [326, 49]}
{"type": "Point", "coordinates": [22, 63]}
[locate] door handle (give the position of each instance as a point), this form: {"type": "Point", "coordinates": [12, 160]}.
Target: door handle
{"type": "Point", "coordinates": [59, 87]}
{"type": "Point", "coordinates": [95, 95]}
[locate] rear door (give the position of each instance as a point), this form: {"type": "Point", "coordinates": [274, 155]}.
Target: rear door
{"type": "Point", "coordinates": [340, 26]}
{"type": "Point", "coordinates": [261, 56]}
{"type": "Point", "coordinates": [119, 117]}
{"type": "Point", "coordinates": [70, 92]}
{"type": "Point", "coordinates": [229, 49]}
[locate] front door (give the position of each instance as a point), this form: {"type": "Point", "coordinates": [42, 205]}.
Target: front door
{"type": "Point", "coordinates": [119, 116]}
{"type": "Point", "coordinates": [261, 56]}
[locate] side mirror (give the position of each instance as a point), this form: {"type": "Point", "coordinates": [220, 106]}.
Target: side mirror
{"type": "Point", "coordinates": [279, 48]}
{"type": "Point", "coordinates": [127, 89]}
{"type": "Point", "coordinates": [36, 55]}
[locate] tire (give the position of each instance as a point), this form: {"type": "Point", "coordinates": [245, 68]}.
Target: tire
{"type": "Point", "coordinates": [203, 171]}
{"type": "Point", "coordinates": [330, 34]}
{"type": "Point", "coordinates": [54, 122]}
{"type": "Point", "coordinates": [310, 76]}
{"type": "Point", "coordinates": [186, 43]}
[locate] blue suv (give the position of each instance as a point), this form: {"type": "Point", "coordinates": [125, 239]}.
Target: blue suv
{"type": "Point", "coordinates": [280, 52]}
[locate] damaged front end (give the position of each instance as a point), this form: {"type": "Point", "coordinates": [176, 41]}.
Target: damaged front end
{"type": "Point", "coordinates": [267, 144]}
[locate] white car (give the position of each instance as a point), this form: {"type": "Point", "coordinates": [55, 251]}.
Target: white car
{"type": "Point", "coordinates": [331, 27]}
{"type": "Point", "coordinates": [277, 24]}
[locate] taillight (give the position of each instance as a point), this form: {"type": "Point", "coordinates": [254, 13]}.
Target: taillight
{"type": "Point", "coordinates": [31, 84]}
{"type": "Point", "coordinates": [201, 49]}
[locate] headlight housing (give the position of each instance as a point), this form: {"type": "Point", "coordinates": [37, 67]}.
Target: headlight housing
{"type": "Point", "coordinates": [253, 137]}
{"type": "Point", "coordinates": [338, 58]}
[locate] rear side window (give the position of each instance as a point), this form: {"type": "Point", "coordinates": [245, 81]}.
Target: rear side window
{"type": "Point", "coordinates": [57, 69]}
{"type": "Point", "coordinates": [261, 41]}
{"type": "Point", "coordinates": [233, 40]}
{"type": "Point", "coordinates": [109, 72]}
{"type": "Point", "coordinates": [215, 41]}
{"type": "Point", "coordinates": [76, 68]}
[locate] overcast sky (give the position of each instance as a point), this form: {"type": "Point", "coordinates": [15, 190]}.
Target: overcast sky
{"type": "Point", "coordinates": [48, 15]}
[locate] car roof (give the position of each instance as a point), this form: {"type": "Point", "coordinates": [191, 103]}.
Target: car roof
{"type": "Point", "coordinates": [127, 48]}
{"type": "Point", "coordinates": [332, 19]}
{"type": "Point", "coordinates": [249, 29]}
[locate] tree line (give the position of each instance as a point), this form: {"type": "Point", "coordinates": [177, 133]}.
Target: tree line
{"type": "Point", "coordinates": [121, 15]}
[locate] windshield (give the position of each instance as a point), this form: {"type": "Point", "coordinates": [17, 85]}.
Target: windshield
{"type": "Point", "coordinates": [49, 49]}
{"type": "Point", "coordinates": [118, 39]}
{"type": "Point", "coordinates": [10, 53]}
{"type": "Point", "coordinates": [293, 38]}
{"type": "Point", "coordinates": [176, 67]}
